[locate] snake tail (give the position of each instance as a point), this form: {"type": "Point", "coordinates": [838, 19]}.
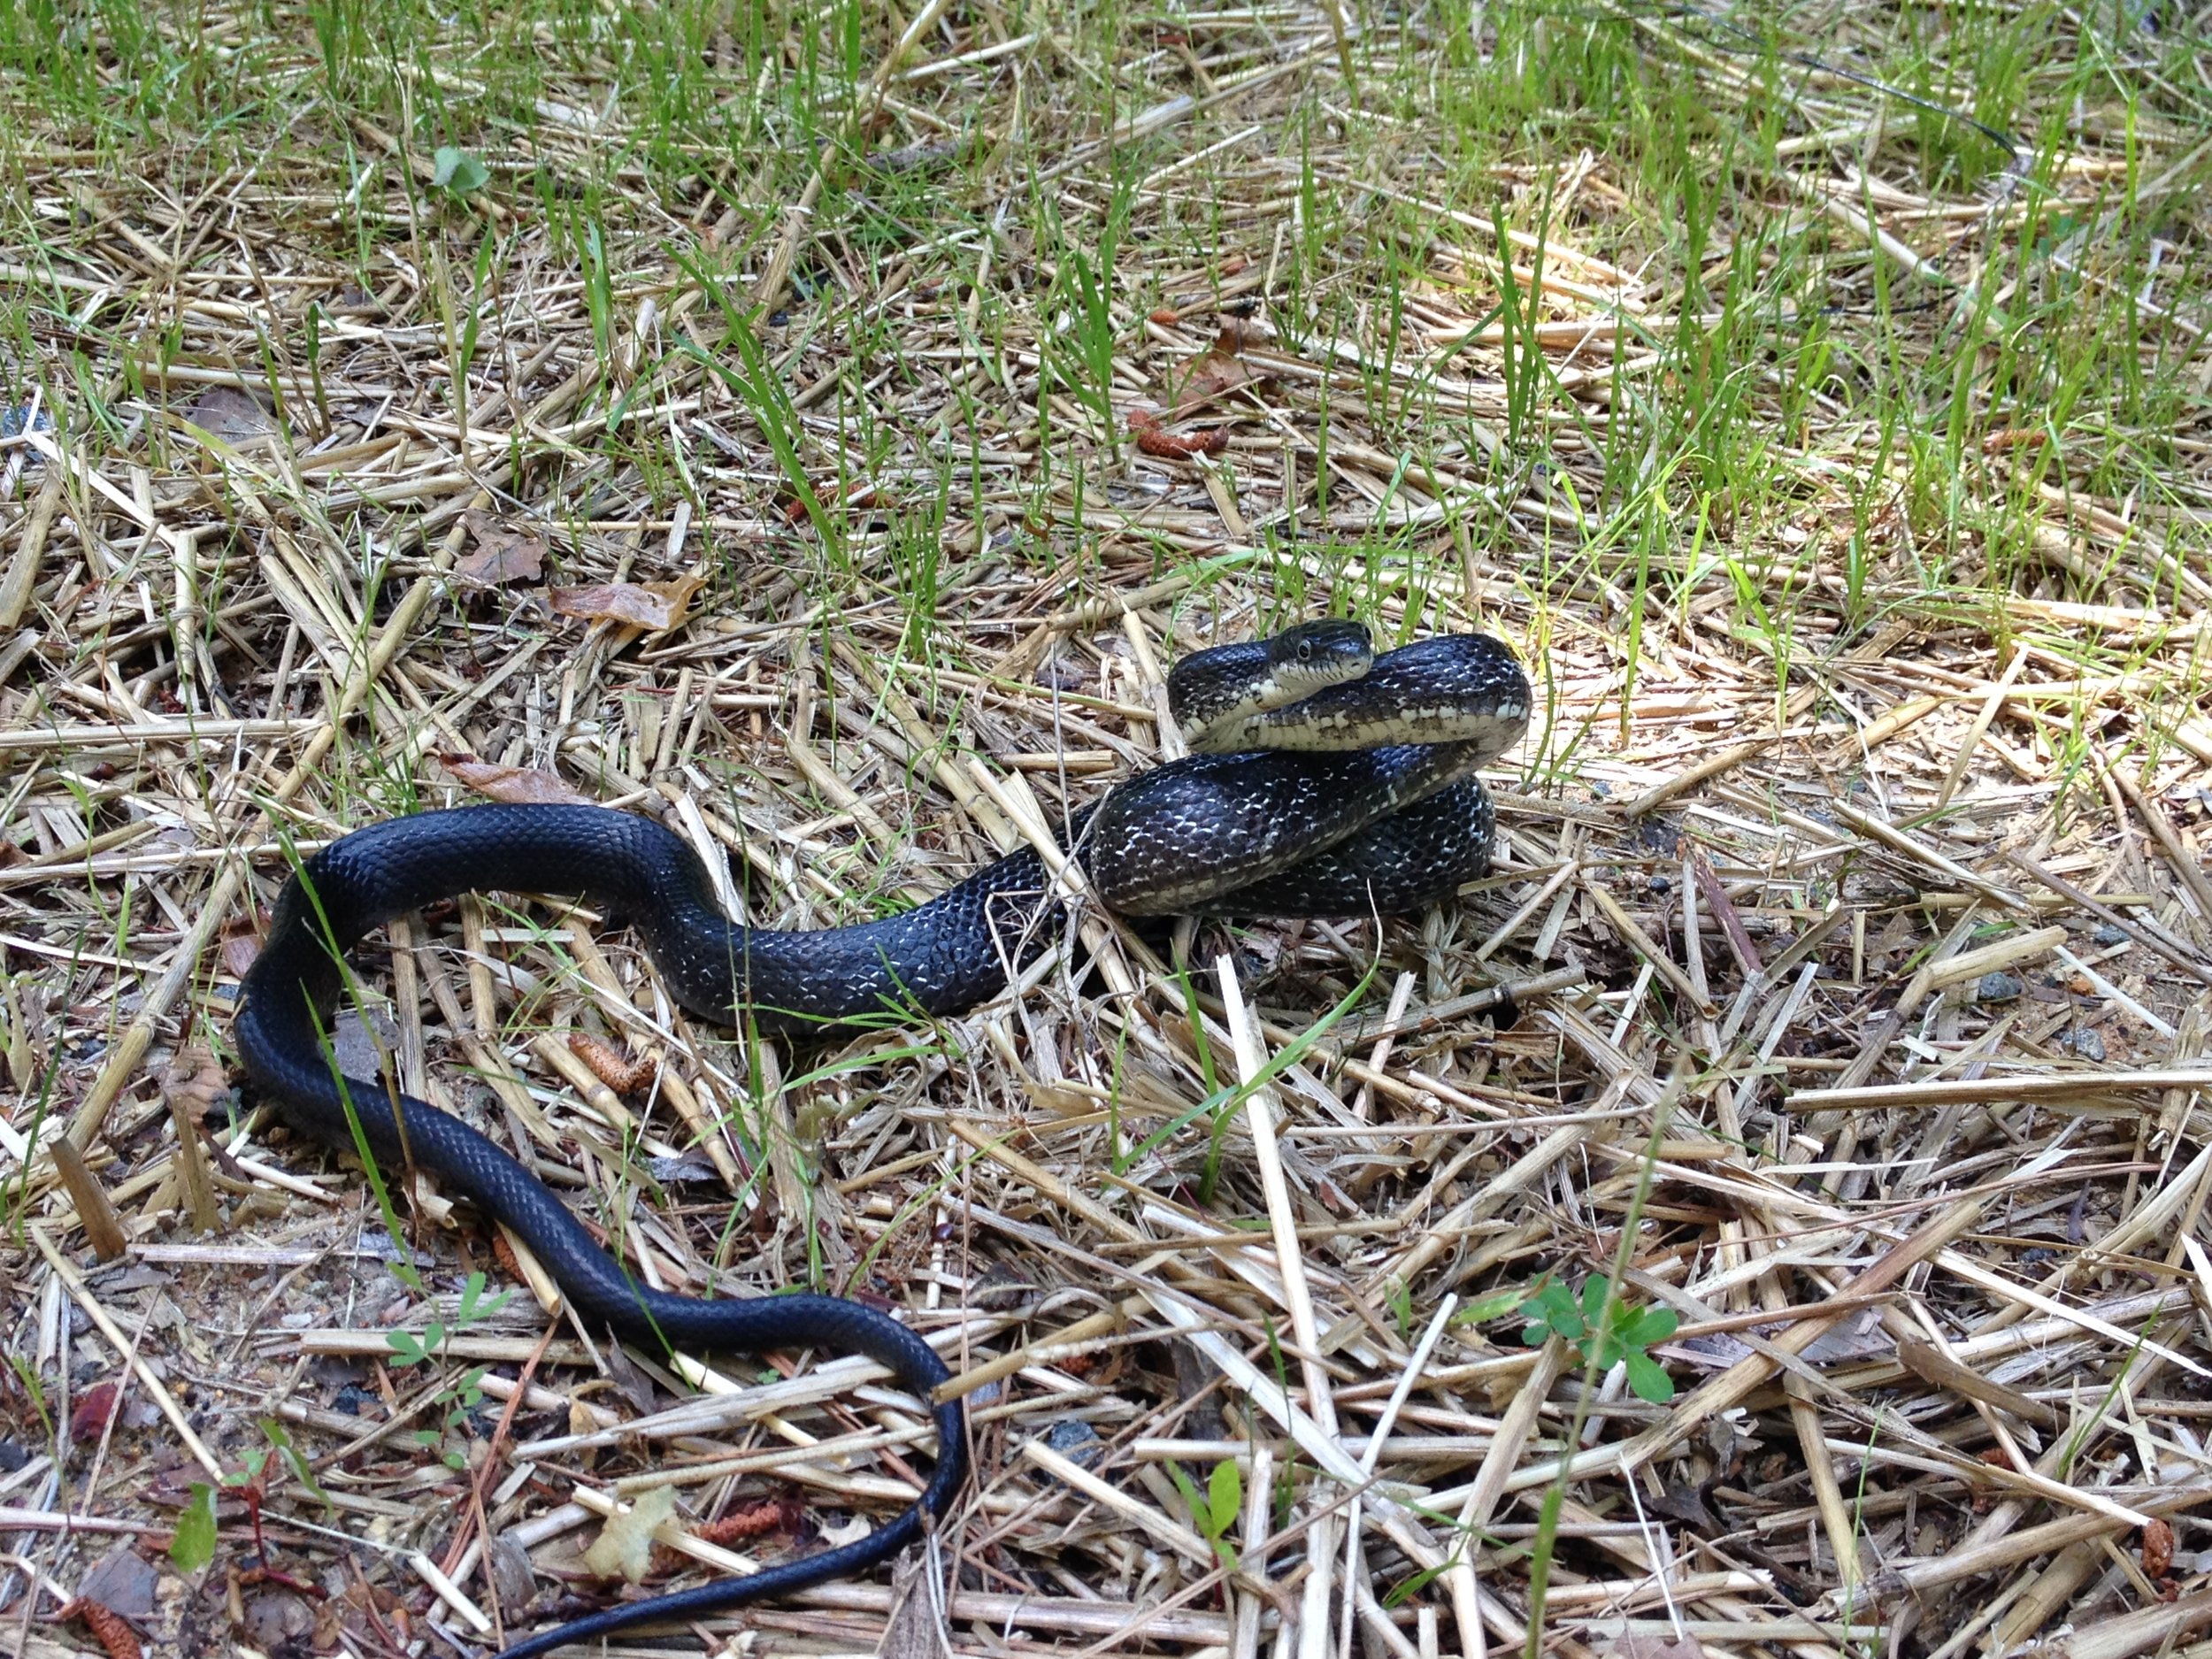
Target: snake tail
{"type": "Point", "coordinates": [642, 870]}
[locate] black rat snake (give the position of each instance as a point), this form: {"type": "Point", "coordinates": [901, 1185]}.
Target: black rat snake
{"type": "Point", "coordinates": [1379, 811]}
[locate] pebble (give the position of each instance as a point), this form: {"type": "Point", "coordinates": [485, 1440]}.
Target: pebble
{"type": "Point", "coordinates": [2084, 1042]}
{"type": "Point", "coordinates": [17, 418]}
{"type": "Point", "coordinates": [2108, 934]}
{"type": "Point", "coordinates": [1998, 987]}
{"type": "Point", "coordinates": [1077, 1441]}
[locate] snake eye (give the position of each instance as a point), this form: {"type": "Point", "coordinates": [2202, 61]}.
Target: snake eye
{"type": "Point", "coordinates": [1305, 650]}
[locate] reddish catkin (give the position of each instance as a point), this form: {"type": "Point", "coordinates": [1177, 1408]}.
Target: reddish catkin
{"type": "Point", "coordinates": [608, 1064]}
{"type": "Point", "coordinates": [755, 1519]}
{"type": "Point", "coordinates": [1175, 446]}
{"type": "Point", "coordinates": [107, 1625]}
{"type": "Point", "coordinates": [2158, 1549]}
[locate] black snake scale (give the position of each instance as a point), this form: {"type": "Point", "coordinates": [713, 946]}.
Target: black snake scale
{"type": "Point", "coordinates": [1284, 832]}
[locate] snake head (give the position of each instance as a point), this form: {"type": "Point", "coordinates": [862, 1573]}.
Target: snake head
{"type": "Point", "coordinates": [1303, 659]}
{"type": "Point", "coordinates": [1215, 692]}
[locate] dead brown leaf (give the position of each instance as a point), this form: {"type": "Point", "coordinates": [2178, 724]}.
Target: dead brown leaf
{"type": "Point", "coordinates": [502, 554]}
{"type": "Point", "coordinates": [656, 607]}
{"type": "Point", "coordinates": [195, 1079]}
{"type": "Point", "coordinates": [277, 1619]}
{"type": "Point", "coordinates": [911, 1633]}
{"type": "Point", "coordinates": [1215, 374]}
{"type": "Point", "coordinates": [516, 786]}
{"type": "Point", "coordinates": [233, 417]}
{"type": "Point", "coordinates": [512, 1580]}
{"type": "Point", "coordinates": [94, 1409]}
{"type": "Point", "coordinates": [242, 943]}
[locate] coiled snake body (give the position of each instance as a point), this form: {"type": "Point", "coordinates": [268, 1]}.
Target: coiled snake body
{"type": "Point", "coordinates": [1395, 823]}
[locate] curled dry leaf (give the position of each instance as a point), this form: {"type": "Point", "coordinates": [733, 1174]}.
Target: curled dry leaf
{"type": "Point", "coordinates": [277, 1619]}
{"type": "Point", "coordinates": [195, 1079]}
{"type": "Point", "coordinates": [94, 1409]}
{"type": "Point", "coordinates": [859, 498]}
{"type": "Point", "coordinates": [1215, 373]}
{"type": "Point", "coordinates": [233, 415]}
{"type": "Point", "coordinates": [362, 1041]}
{"type": "Point", "coordinates": [611, 1066]}
{"type": "Point", "coordinates": [2158, 1549]}
{"type": "Point", "coordinates": [517, 785]}
{"type": "Point", "coordinates": [513, 1581]}
{"type": "Point", "coordinates": [242, 943]}
{"type": "Point", "coordinates": [1684, 1502]}
{"type": "Point", "coordinates": [624, 1548]}
{"type": "Point", "coordinates": [375, 1616]}
{"type": "Point", "coordinates": [432, 1207]}
{"type": "Point", "coordinates": [503, 553]}
{"type": "Point", "coordinates": [654, 606]}
{"type": "Point", "coordinates": [106, 1625]}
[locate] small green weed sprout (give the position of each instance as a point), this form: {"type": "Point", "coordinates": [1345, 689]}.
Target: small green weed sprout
{"type": "Point", "coordinates": [1604, 1335]}
{"type": "Point", "coordinates": [464, 1395]}
{"type": "Point", "coordinates": [1216, 1508]}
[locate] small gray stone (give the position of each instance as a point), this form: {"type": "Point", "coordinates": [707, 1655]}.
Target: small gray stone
{"type": "Point", "coordinates": [2108, 934]}
{"type": "Point", "coordinates": [1997, 987]}
{"type": "Point", "coordinates": [18, 419]}
{"type": "Point", "coordinates": [124, 1582]}
{"type": "Point", "coordinates": [694, 1167]}
{"type": "Point", "coordinates": [1076, 1440]}
{"type": "Point", "coordinates": [360, 1047]}
{"type": "Point", "coordinates": [2084, 1042]}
